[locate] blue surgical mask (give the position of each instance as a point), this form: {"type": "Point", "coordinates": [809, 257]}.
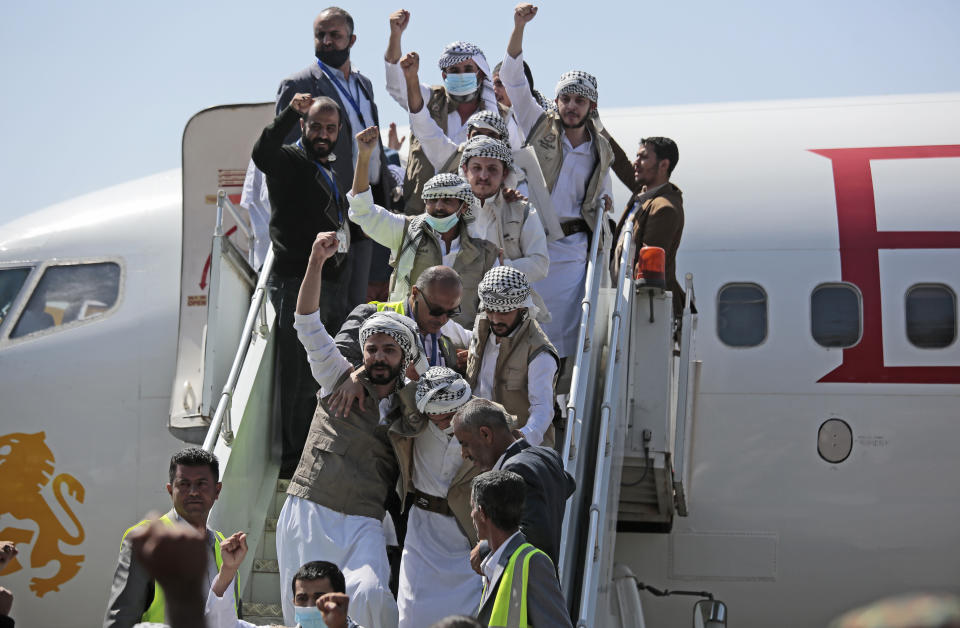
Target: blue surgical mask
{"type": "Point", "coordinates": [461, 84]}
{"type": "Point", "coordinates": [309, 617]}
{"type": "Point", "coordinates": [441, 225]}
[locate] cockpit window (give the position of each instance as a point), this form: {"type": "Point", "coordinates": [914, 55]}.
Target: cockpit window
{"type": "Point", "coordinates": [11, 280]}
{"type": "Point", "coordinates": [67, 294]}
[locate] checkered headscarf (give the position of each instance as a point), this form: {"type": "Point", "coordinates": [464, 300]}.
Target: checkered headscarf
{"type": "Point", "coordinates": [448, 185]}
{"type": "Point", "coordinates": [400, 328]}
{"type": "Point", "coordinates": [483, 146]}
{"type": "Point", "coordinates": [578, 82]}
{"type": "Point", "coordinates": [460, 51]}
{"type": "Point", "coordinates": [504, 289]}
{"type": "Point", "coordinates": [486, 119]}
{"type": "Point", "coordinates": [441, 390]}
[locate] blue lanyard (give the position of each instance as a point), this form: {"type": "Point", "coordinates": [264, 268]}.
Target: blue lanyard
{"type": "Point", "coordinates": [343, 90]}
{"type": "Point", "coordinates": [331, 181]}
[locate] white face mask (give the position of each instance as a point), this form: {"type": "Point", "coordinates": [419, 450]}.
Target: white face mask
{"type": "Point", "coordinates": [442, 225]}
{"type": "Point", "coordinates": [309, 617]}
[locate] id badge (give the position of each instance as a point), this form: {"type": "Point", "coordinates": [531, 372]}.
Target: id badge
{"type": "Point", "coordinates": [343, 239]}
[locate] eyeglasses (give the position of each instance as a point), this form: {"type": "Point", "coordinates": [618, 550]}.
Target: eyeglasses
{"type": "Point", "coordinates": [439, 311]}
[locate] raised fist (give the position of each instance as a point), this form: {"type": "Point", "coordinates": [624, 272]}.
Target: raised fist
{"type": "Point", "coordinates": [325, 246]}
{"type": "Point", "coordinates": [523, 13]}
{"type": "Point", "coordinates": [410, 64]}
{"type": "Point", "coordinates": [399, 20]}
{"type": "Point", "coordinates": [302, 103]}
{"type": "Point", "coordinates": [367, 140]}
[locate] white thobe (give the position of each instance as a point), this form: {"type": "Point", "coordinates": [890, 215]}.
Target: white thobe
{"type": "Point", "coordinates": [540, 374]}
{"type": "Point", "coordinates": [436, 579]}
{"type": "Point", "coordinates": [307, 531]}
{"type": "Point", "coordinates": [456, 127]}
{"type": "Point", "coordinates": [256, 201]}
{"type": "Point", "coordinates": [563, 289]}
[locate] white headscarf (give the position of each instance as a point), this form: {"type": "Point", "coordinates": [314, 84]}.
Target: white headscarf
{"type": "Point", "coordinates": [401, 329]}
{"type": "Point", "coordinates": [441, 390]}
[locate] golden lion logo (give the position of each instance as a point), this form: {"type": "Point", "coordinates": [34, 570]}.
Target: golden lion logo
{"type": "Point", "coordinates": [26, 464]}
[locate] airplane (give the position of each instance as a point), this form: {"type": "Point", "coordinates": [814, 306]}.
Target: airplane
{"type": "Point", "coordinates": [825, 254]}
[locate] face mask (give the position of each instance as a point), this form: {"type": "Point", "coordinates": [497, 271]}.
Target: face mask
{"type": "Point", "coordinates": [309, 617]}
{"type": "Point", "coordinates": [334, 58]}
{"type": "Point", "coordinates": [441, 225]}
{"type": "Point", "coordinates": [461, 84]}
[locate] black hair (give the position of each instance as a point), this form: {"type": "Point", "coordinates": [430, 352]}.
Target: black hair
{"type": "Point", "coordinates": [500, 494]}
{"type": "Point", "coordinates": [341, 13]}
{"type": "Point", "coordinates": [194, 457]}
{"type": "Point", "coordinates": [665, 148]}
{"type": "Point", "coordinates": [324, 104]}
{"type": "Point", "coordinates": [526, 72]}
{"type": "Point", "coordinates": [317, 569]}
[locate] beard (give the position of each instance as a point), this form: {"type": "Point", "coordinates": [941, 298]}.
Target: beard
{"type": "Point", "coordinates": [392, 373]}
{"type": "Point", "coordinates": [503, 330]}
{"type": "Point", "coordinates": [577, 125]}
{"type": "Point", "coordinates": [319, 149]}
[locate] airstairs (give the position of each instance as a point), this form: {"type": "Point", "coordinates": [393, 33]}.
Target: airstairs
{"type": "Point", "coordinates": [631, 412]}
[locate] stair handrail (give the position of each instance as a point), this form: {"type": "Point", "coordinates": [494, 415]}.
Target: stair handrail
{"type": "Point", "coordinates": [221, 422]}
{"type": "Point", "coordinates": [577, 398]}
{"type": "Point", "coordinates": [599, 498]}
{"type": "Point", "coordinates": [686, 402]}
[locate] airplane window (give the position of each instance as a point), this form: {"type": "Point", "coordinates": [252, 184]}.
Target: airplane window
{"type": "Point", "coordinates": [931, 316]}
{"type": "Point", "coordinates": [742, 314]}
{"type": "Point", "coordinates": [11, 280]}
{"type": "Point", "coordinates": [835, 315]}
{"type": "Point", "coordinates": [67, 294]}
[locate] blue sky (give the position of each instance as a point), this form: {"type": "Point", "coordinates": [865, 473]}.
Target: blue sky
{"type": "Point", "coordinates": [98, 93]}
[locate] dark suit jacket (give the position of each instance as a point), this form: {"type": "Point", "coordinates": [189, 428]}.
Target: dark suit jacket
{"type": "Point", "coordinates": [548, 487]}
{"type": "Point", "coordinates": [311, 80]}
{"type": "Point", "coordinates": [657, 222]}
{"type": "Point", "coordinates": [545, 604]}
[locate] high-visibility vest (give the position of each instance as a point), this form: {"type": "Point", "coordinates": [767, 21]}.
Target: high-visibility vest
{"type": "Point", "coordinates": [394, 306]}
{"type": "Point", "coordinates": [507, 613]}
{"type": "Point", "coordinates": [156, 611]}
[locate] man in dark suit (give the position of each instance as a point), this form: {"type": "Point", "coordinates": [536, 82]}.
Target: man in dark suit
{"type": "Point", "coordinates": [655, 214]}
{"type": "Point", "coordinates": [333, 76]}
{"type": "Point", "coordinates": [486, 438]}
{"type": "Point", "coordinates": [515, 575]}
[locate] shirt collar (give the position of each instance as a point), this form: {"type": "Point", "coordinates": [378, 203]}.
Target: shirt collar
{"type": "Point", "coordinates": [489, 564]}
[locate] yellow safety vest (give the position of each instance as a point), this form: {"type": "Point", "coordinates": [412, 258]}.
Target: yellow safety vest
{"type": "Point", "coordinates": [395, 306]}
{"type": "Point", "coordinates": [507, 613]}
{"type": "Point", "coordinates": [156, 612]}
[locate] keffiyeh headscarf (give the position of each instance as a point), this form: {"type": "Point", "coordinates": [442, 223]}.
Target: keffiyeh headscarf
{"type": "Point", "coordinates": [504, 289]}
{"type": "Point", "coordinates": [460, 51]}
{"type": "Point", "coordinates": [441, 390]}
{"type": "Point", "coordinates": [578, 82]}
{"type": "Point", "coordinates": [486, 119]}
{"type": "Point", "coordinates": [483, 146]}
{"type": "Point", "coordinates": [401, 329]}
{"type": "Point", "coordinates": [449, 185]}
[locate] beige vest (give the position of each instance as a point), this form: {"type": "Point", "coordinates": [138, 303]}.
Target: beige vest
{"type": "Point", "coordinates": [409, 424]}
{"type": "Point", "coordinates": [511, 372]}
{"type": "Point", "coordinates": [475, 258]}
{"type": "Point", "coordinates": [546, 140]}
{"type": "Point", "coordinates": [348, 464]}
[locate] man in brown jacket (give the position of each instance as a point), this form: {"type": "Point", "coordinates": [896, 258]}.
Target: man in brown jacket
{"type": "Point", "coordinates": [655, 215]}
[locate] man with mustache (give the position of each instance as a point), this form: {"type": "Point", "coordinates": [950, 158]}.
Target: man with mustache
{"type": "Point", "coordinates": [306, 199]}
{"type": "Point", "coordinates": [511, 360]}
{"type": "Point", "coordinates": [442, 235]}
{"type": "Point", "coordinates": [466, 89]}
{"type": "Point", "coordinates": [335, 503]}
{"type": "Point", "coordinates": [332, 74]}
{"type": "Point", "coordinates": [575, 159]}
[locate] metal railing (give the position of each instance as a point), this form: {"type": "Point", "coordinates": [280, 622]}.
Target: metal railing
{"type": "Point", "coordinates": [687, 386]}
{"type": "Point", "coordinates": [220, 423]}
{"type": "Point", "coordinates": [607, 433]}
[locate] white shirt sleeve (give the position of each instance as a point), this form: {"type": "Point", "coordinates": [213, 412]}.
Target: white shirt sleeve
{"type": "Point", "coordinates": [535, 262]}
{"type": "Point", "coordinates": [435, 144]}
{"type": "Point", "coordinates": [525, 106]}
{"type": "Point", "coordinates": [540, 374]}
{"type": "Point", "coordinates": [397, 86]}
{"type": "Point", "coordinates": [456, 333]}
{"type": "Point", "coordinates": [382, 225]}
{"type": "Point", "coordinates": [220, 612]}
{"type": "Point", "coordinates": [326, 362]}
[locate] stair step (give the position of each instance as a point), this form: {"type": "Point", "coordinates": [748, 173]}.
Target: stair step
{"type": "Point", "coordinates": [260, 609]}
{"type": "Point", "coordinates": [266, 565]}
{"type": "Point", "coordinates": [260, 620]}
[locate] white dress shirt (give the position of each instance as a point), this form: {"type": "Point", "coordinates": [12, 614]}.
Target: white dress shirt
{"type": "Point", "coordinates": [352, 86]}
{"type": "Point", "coordinates": [489, 564]}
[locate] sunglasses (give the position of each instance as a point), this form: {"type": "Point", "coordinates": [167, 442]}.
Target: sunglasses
{"type": "Point", "coordinates": [438, 311]}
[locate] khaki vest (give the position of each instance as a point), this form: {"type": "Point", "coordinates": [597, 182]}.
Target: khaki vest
{"type": "Point", "coordinates": [475, 258]}
{"type": "Point", "coordinates": [545, 138]}
{"type": "Point", "coordinates": [511, 372]}
{"type": "Point", "coordinates": [348, 463]}
{"type": "Point", "coordinates": [403, 432]}
{"type": "Point", "coordinates": [419, 168]}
